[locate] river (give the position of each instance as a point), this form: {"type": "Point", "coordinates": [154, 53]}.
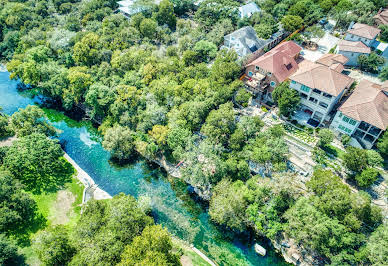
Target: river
{"type": "Point", "coordinates": [172, 205]}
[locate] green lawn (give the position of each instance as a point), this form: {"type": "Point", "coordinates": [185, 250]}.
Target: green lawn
{"type": "Point", "coordinates": [61, 207]}
{"type": "Point", "coordinates": [188, 252]}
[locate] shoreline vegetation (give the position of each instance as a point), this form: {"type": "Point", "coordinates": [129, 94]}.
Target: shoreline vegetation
{"type": "Point", "coordinates": [162, 88]}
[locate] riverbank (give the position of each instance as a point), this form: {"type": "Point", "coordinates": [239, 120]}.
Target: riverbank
{"type": "Point", "coordinates": [91, 188]}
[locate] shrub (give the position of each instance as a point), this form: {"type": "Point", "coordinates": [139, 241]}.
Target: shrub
{"type": "Point", "coordinates": [345, 139]}
{"type": "Point", "coordinates": [367, 177]}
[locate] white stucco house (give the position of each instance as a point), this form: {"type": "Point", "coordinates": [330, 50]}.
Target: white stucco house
{"type": "Point", "coordinates": [364, 115]}
{"type": "Point", "coordinates": [320, 86]}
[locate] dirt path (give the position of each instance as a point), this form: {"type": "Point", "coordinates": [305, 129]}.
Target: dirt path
{"type": "Point", "coordinates": [62, 207]}
{"type": "Point", "coordinates": [7, 142]}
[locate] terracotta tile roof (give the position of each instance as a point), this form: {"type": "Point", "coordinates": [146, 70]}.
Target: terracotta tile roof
{"type": "Point", "coordinates": [369, 103]}
{"type": "Point", "coordinates": [321, 77]}
{"type": "Point", "coordinates": [356, 47]}
{"type": "Point", "coordinates": [280, 61]}
{"type": "Point", "coordinates": [382, 16]}
{"type": "Point", "coordinates": [364, 31]}
{"type": "Point", "coordinates": [334, 61]}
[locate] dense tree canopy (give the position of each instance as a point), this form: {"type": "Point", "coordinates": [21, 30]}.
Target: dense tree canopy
{"type": "Point", "coordinates": [30, 120]}
{"type": "Point", "coordinates": [17, 209]}
{"type": "Point", "coordinates": [38, 163]}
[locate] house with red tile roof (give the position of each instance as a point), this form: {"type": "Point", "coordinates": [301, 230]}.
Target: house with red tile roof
{"type": "Point", "coordinates": [352, 50]}
{"type": "Point", "coordinates": [364, 115]}
{"type": "Point", "coordinates": [321, 85]}
{"type": "Point", "coordinates": [381, 18]}
{"type": "Point", "coordinates": [272, 68]}
{"type": "Point", "coordinates": [334, 61]}
{"type": "Point", "coordinates": [358, 32]}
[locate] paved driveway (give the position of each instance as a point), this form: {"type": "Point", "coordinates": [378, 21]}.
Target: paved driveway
{"type": "Point", "coordinates": [358, 75]}
{"type": "Point", "coordinates": [325, 43]}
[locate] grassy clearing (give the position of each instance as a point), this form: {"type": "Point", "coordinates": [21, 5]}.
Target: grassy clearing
{"type": "Point", "coordinates": [192, 258]}
{"type": "Point", "coordinates": [55, 210]}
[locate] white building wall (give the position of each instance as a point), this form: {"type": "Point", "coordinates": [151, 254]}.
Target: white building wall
{"type": "Point", "coordinates": [315, 107]}
{"type": "Point", "coordinates": [344, 127]}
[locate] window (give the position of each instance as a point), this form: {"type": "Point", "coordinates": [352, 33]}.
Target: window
{"type": "Point", "coordinates": [302, 95]}
{"type": "Point", "coordinates": [328, 96]}
{"type": "Point", "coordinates": [311, 99]}
{"type": "Point", "coordinates": [345, 129]}
{"type": "Point", "coordinates": [340, 114]}
{"type": "Point", "coordinates": [232, 38]}
{"type": "Point", "coordinates": [352, 121]}
{"type": "Point", "coordinates": [349, 120]}
{"type": "Point", "coordinates": [257, 68]}
{"type": "Point", "coordinates": [316, 91]}
{"type": "Point", "coordinates": [322, 104]}
{"type": "Point", "coordinates": [305, 88]}
{"type": "Point", "coordinates": [273, 84]}
{"type": "Point", "coordinates": [250, 73]}
{"type": "Point", "coordinates": [269, 74]}
{"type": "Point", "coordinates": [293, 82]}
{"type": "Point", "coordinates": [289, 66]}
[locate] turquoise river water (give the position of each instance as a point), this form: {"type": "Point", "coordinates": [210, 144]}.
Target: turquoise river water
{"type": "Point", "coordinates": [172, 205]}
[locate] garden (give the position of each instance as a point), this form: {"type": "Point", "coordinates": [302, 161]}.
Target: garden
{"type": "Point", "coordinates": [300, 134]}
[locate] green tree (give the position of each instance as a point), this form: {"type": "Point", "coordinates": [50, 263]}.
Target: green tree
{"type": "Point", "coordinates": [152, 247]}
{"type": "Point", "coordinates": [326, 136]}
{"type": "Point", "coordinates": [377, 246]}
{"type": "Point", "coordinates": [17, 209]}
{"type": "Point", "coordinates": [374, 158]}
{"type": "Point", "coordinates": [220, 124]}
{"type": "Point", "coordinates": [203, 165]}
{"type": "Point", "coordinates": [53, 246]}
{"type": "Point", "coordinates": [371, 62]}
{"type": "Point", "coordinates": [292, 23]}
{"type": "Point", "coordinates": [242, 97]}
{"type": "Point", "coordinates": [38, 163]}
{"type": "Point", "coordinates": [355, 159]}
{"type": "Point", "coordinates": [382, 144]}
{"type": "Point", "coordinates": [8, 252]}
{"type": "Point", "coordinates": [86, 51]}
{"type": "Point", "coordinates": [205, 50]}
{"type": "Point", "coordinates": [383, 75]}
{"type": "Point", "coordinates": [165, 14]}
{"type": "Point", "coordinates": [99, 97]}
{"type": "Point", "coordinates": [384, 32]}
{"type": "Point", "coordinates": [228, 204]}
{"type": "Point", "coordinates": [314, 31]}
{"type": "Point", "coordinates": [30, 120]}
{"type": "Point", "coordinates": [286, 98]}
{"type": "Point", "coordinates": [120, 142]}
{"type": "Point", "coordinates": [106, 228]}
{"type": "Point", "coordinates": [367, 177]}
{"type": "Point", "coordinates": [148, 28]}
{"type": "Point", "coordinates": [79, 82]}
{"type": "Point", "coordinates": [4, 128]}
{"type": "Point", "coordinates": [308, 225]}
